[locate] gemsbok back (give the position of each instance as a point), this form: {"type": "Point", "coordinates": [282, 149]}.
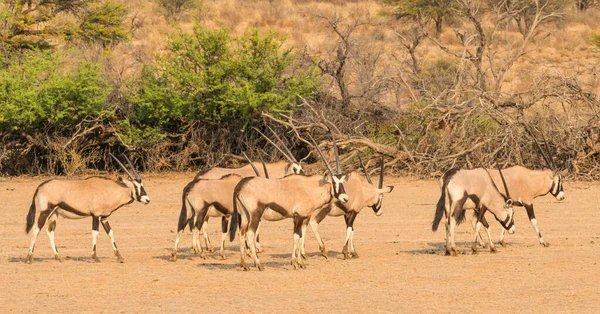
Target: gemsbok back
{"type": "Point", "coordinates": [361, 193]}
{"type": "Point", "coordinates": [471, 189]}
{"type": "Point", "coordinates": [97, 197]}
{"type": "Point", "coordinates": [293, 196]}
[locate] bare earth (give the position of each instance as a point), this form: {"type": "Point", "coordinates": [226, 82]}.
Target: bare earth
{"type": "Point", "coordinates": [401, 266]}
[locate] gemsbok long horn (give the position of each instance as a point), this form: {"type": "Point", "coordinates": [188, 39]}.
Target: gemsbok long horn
{"type": "Point", "coordinates": [381, 172]}
{"type": "Point", "coordinates": [504, 183]}
{"type": "Point", "coordinates": [322, 155]}
{"type": "Point", "coordinates": [276, 146]}
{"type": "Point", "coordinates": [549, 161]}
{"type": "Point", "coordinates": [290, 155]}
{"type": "Point", "coordinates": [135, 173]}
{"type": "Point", "coordinates": [122, 166]}
{"type": "Point", "coordinates": [365, 170]}
{"type": "Point", "coordinates": [251, 164]}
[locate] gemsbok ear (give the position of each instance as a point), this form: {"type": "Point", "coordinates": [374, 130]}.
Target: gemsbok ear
{"type": "Point", "coordinates": [388, 189]}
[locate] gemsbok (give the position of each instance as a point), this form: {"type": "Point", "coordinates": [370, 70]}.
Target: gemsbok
{"type": "Point", "coordinates": [277, 169]}
{"type": "Point", "coordinates": [524, 186]}
{"type": "Point", "coordinates": [475, 189]}
{"type": "Point", "coordinates": [97, 197]}
{"type": "Point", "coordinates": [293, 196]}
{"type": "Point", "coordinates": [203, 198]}
{"type": "Point", "coordinates": [361, 193]}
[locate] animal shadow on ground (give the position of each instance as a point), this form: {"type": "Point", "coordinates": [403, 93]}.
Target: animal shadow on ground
{"type": "Point", "coordinates": [250, 263]}
{"type": "Point", "coordinates": [52, 259]}
{"type": "Point", "coordinates": [439, 248]}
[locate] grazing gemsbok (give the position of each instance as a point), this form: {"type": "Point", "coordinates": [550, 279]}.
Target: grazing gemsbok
{"type": "Point", "coordinates": [294, 196]}
{"type": "Point", "coordinates": [471, 189]}
{"type": "Point", "coordinates": [361, 194]}
{"type": "Point", "coordinates": [525, 185]}
{"type": "Point", "coordinates": [96, 197]}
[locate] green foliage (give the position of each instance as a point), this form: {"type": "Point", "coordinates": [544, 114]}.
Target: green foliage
{"type": "Point", "coordinates": [595, 38]}
{"type": "Point", "coordinates": [30, 24]}
{"type": "Point", "coordinates": [37, 93]}
{"type": "Point", "coordinates": [219, 80]}
{"type": "Point", "coordinates": [174, 8]}
{"type": "Point", "coordinates": [103, 23]}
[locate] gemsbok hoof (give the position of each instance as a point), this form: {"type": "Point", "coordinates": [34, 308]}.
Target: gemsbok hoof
{"type": "Point", "coordinates": [493, 249]}
{"type": "Point", "coordinates": [545, 244]}
{"type": "Point", "coordinates": [196, 250]}
{"type": "Point", "coordinates": [95, 258]}
{"type": "Point", "coordinates": [503, 243]}
{"type": "Point", "coordinates": [58, 258]}
{"type": "Point", "coordinates": [29, 258]}
{"type": "Point", "coordinates": [173, 257]}
{"type": "Point", "coordinates": [474, 251]}
{"type": "Point", "coordinates": [303, 255]}
{"type": "Point", "coordinates": [354, 254]}
{"type": "Point", "coordinates": [324, 254]}
{"type": "Point", "coordinates": [210, 249]}
{"type": "Point", "coordinates": [260, 267]}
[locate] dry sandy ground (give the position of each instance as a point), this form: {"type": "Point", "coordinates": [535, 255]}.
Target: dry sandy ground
{"type": "Point", "coordinates": [401, 266]}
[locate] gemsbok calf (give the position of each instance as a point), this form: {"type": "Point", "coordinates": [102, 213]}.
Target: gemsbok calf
{"type": "Point", "coordinates": [471, 189]}
{"type": "Point", "coordinates": [294, 196]}
{"type": "Point", "coordinates": [361, 193]}
{"type": "Point", "coordinates": [524, 186]}
{"type": "Point", "coordinates": [97, 197]}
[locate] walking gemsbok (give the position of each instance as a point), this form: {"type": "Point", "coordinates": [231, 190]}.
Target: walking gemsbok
{"type": "Point", "coordinates": [294, 196]}
{"type": "Point", "coordinates": [97, 197]}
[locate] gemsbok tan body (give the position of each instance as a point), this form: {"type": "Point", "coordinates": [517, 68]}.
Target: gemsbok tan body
{"type": "Point", "coordinates": [470, 189]}
{"type": "Point", "coordinates": [294, 196]}
{"type": "Point", "coordinates": [73, 199]}
{"type": "Point", "coordinates": [524, 185]}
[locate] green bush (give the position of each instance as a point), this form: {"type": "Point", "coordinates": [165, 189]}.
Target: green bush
{"type": "Point", "coordinates": [219, 80]}
{"type": "Point", "coordinates": [36, 93]}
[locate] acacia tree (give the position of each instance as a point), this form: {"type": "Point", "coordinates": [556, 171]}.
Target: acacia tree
{"type": "Point", "coordinates": [424, 10]}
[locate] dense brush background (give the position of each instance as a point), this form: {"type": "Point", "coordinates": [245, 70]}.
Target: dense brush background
{"type": "Point", "coordinates": [179, 85]}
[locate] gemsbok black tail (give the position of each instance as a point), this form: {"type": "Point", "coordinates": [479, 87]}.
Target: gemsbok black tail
{"type": "Point", "coordinates": [183, 219]}
{"type": "Point", "coordinates": [440, 209]}
{"type": "Point", "coordinates": [233, 224]}
{"type": "Point", "coordinates": [31, 215]}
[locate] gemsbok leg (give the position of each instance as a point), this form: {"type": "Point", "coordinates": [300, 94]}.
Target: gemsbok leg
{"type": "Point", "coordinates": [224, 224]}
{"type": "Point", "coordinates": [44, 214]}
{"type": "Point", "coordinates": [207, 243]}
{"type": "Point", "coordinates": [349, 217]}
{"type": "Point", "coordinates": [95, 226]}
{"type": "Point", "coordinates": [50, 231]}
{"type": "Point", "coordinates": [110, 233]}
{"type": "Point", "coordinates": [296, 260]}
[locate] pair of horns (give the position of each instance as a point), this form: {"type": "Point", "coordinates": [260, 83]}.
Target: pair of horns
{"type": "Point", "coordinates": [254, 168]}
{"type": "Point", "coordinates": [368, 176]}
{"type": "Point", "coordinates": [337, 157]}
{"type": "Point", "coordinates": [287, 153]}
{"type": "Point", "coordinates": [136, 175]}
{"type": "Point", "coordinates": [507, 197]}
{"type": "Point", "coordinates": [549, 161]}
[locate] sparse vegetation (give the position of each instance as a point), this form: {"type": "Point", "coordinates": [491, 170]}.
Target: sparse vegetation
{"type": "Point", "coordinates": [452, 85]}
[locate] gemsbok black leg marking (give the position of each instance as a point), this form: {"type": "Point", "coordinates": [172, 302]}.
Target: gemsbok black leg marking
{"type": "Point", "coordinates": [110, 233]}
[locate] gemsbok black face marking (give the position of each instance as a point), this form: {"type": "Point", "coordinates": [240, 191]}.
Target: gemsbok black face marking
{"type": "Point", "coordinates": [70, 199]}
